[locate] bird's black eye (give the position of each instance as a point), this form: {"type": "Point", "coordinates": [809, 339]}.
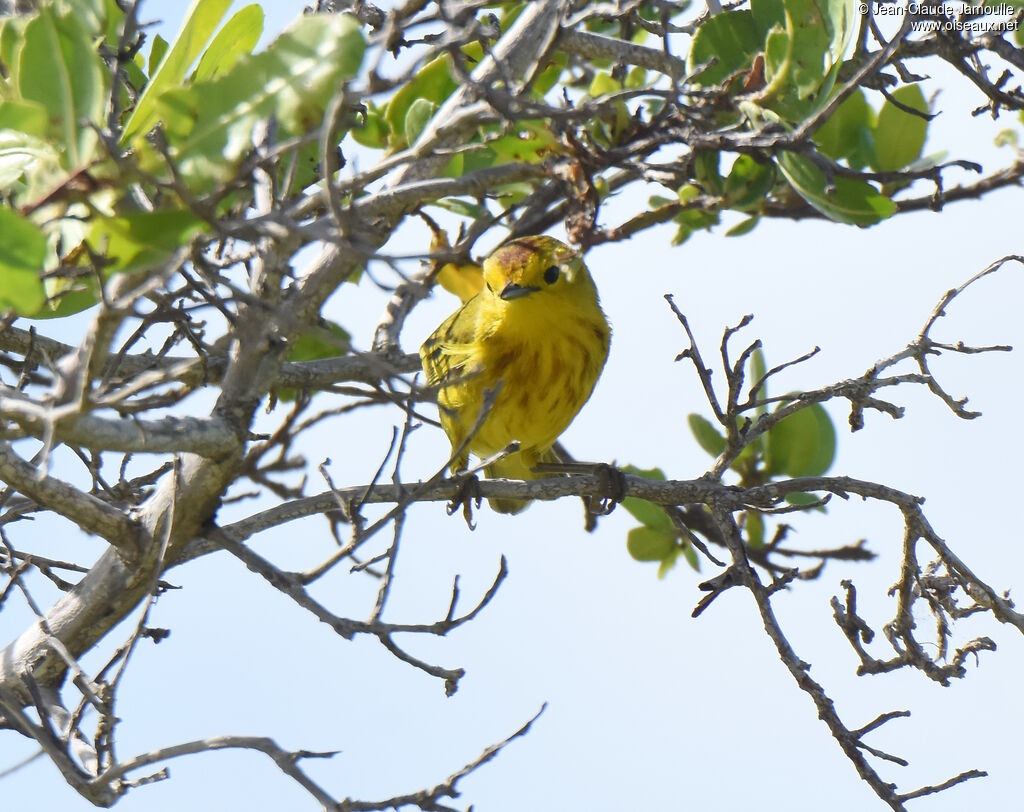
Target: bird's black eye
{"type": "Point", "coordinates": [551, 275]}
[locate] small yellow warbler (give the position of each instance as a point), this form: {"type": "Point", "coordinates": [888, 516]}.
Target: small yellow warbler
{"type": "Point", "coordinates": [537, 327]}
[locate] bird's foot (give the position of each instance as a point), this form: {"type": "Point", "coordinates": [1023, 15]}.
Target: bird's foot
{"type": "Point", "coordinates": [612, 490]}
{"type": "Point", "coordinates": [466, 497]}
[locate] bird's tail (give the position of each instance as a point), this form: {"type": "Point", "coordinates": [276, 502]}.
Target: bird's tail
{"type": "Point", "coordinates": [517, 466]}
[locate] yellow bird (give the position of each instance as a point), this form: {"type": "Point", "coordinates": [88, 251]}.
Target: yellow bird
{"type": "Point", "coordinates": [537, 327]}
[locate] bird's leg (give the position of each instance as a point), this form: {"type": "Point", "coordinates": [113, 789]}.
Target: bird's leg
{"type": "Point", "coordinates": [612, 489]}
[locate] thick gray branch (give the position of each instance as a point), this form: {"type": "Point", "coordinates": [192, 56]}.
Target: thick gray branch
{"type": "Point", "coordinates": [596, 46]}
{"type": "Point", "coordinates": [208, 437]}
{"type": "Point", "coordinates": [365, 367]}
{"type": "Point", "coordinates": [85, 510]}
{"type": "Point", "coordinates": [671, 492]}
{"type": "Point", "coordinates": [663, 492]}
{"type": "Point", "coordinates": [114, 586]}
{"type": "Point", "coordinates": [399, 199]}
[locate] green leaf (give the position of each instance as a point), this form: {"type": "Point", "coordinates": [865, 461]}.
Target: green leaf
{"type": "Point", "coordinates": [329, 341]}
{"type": "Point", "coordinates": [743, 227]}
{"type": "Point", "coordinates": [22, 254]}
{"type": "Point", "coordinates": [481, 158]}
{"type": "Point", "coordinates": [810, 44]}
{"type": "Point", "coordinates": [847, 132]}
{"type": "Point", "coordinates": [690, 555]}
{"type": "Point", "coordinates": [649, 514]}
{"type": "Point", "coordinates": [748, 183]}
{"type": "Point", "coordinates": [24, 116]}
{"type": "Point", "coordinates": [706, 435]}
{"type": "Point", "coordinates": [900, 136]}
{"type": "Point", "coordinates": [157, 52]}
{"type": "Point", "coordinates": [136, 78]}
{"type": "Point", "coordinates": [139, 242]}
{"type": "Point", "coordinates": [12, 37]}
{"type": "Point", "coordinates": [433, 82]}
{"type": "Point", "coordinates": [67, 299]}
{"type": "Point", "coordinates": [33, 164]}
{"type": "Point", "coordinates": [646, 473]}
{"type": "Point", "coordinates": [238, 36]}
{"type": "Point", "coordinates": [794, 61]}
{"type": "Point", "coordinates": [549, 77]}
{"type": "Point", "coordinates": [636, 78]}
{"type": "Point", "coordinates": [754, 525]}
{"type": "Point", "coordinates": [668, 562]}
{"type": "Point", "coordinates": [843, 22]}
{"type": "Point", "coordinates": [374, 131]}
{"type": "Point", "coordinates": [758, 367]}
{"type": "Point", "coordinates": [464, 208]}
{"type": "Point", "coordinates": [802, 444]}
{"type": "Point", "coordinates": [201, 20]}
{"type": "Point", "coordinates": [767, 14]}
{"type": "Point", "coordinates": [778, 55]}
{"type": "Point", "coordinates": [60, 69]}
{"type": "Point", "coordinates": [306, 162]}
{"type": "Point", "coordinates": [692, 220]}
{"type": "Point", "coordinates": [602, 85]}
{"type": "Point", "coordinates": [687, 192]}
{"type": "Point", "coordinates": [532, 143]}
{"type": "Point", "coordinates": [115, 22]}
{"type": "Point", "coordinates": [209, 125]}
{"type": "Point", "coordinates": [683, 233]}
{"type": "Point", "coordinates": [805, 41]}
{"type": "Point", "coordinates": [649, 544]}
{"type": "Point", "coordinates": [417, 117]}
{"type": "Point", "coordinates": [826, 446]}
{"type": "Point", "coordinates": [600, 25]}
{"type": "Point", "coordinates": [732, 39]}
{"type": "Point", "coordinates": [850, 201]}
{"type": "Point", "coordinates": [101, 18]}
{"type": "Point", "coordinates": [1004, 138]}
{"type": "Point", "coordinates": [706, 173]}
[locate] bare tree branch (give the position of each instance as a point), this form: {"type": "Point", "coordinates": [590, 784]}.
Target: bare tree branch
{"type": "Point", "coordinates": [85, 510]}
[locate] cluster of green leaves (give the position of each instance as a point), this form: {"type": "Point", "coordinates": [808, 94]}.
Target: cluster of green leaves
{"type": "Point", "coordinates": [780, 62]}
{"type": "Point", "coordinates": [802, 444]}
{"type": "Point", "coordinates": [744, 188]}
{"type": "Point", "coordinates": [395, 124]}
{"type": "Point", "coordinates": [68, 198]}
{"type": "Point", "coordinates": [208, 89]}
{"type": "Point", "coordinates": [886, 141]}
{"type": "Point", "coordinates": [801, 44]}
{"type": "Point", "coordinates": [657, 538]}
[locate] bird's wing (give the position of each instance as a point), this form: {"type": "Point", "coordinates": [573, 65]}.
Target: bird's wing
{"type": "Point", "coordinates": [449, 348]}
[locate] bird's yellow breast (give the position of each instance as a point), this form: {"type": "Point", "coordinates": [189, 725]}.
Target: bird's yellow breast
{"type": "Point", "coordinates": [547, 361]}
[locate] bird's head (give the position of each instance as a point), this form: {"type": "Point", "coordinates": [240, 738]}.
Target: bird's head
{"type": "Point", "coordinates": [528, 266]}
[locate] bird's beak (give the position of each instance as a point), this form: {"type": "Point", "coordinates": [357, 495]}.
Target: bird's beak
{"type": "Point", "coordinates": [514, 291]}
